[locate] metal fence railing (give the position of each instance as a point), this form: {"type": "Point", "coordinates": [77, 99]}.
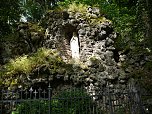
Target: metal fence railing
{"type": "Point", "coordinates": [72, 100]}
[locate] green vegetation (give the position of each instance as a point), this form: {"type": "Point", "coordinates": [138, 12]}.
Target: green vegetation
{"type": "Point", "coordinates": [80, 8]}
{"type": "Point", "coordinates": [131, 20]}
{"type": "Point", "coordinates": [34, 27]}
{"type": "Point", "coordinates": [8, 16]}
{"type": "Point", "coordinates": [20, 68]}
{"type": "Point", "coordinates": [128, 17]}
{"type": "Point", "coordinates": [25, 64]}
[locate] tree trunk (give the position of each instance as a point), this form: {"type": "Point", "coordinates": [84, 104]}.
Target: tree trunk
{"type": "Point", "coordinates": [149, 19]}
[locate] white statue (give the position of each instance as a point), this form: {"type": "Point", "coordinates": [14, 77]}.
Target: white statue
{"type": "Point", "coordinates": [74, 46]}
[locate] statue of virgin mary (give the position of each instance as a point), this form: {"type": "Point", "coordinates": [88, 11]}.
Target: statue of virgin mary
{"type": "Point", "coordinates": [74, 46]}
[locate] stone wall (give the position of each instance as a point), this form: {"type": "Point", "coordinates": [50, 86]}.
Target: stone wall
{"type": "Point", "coordinates": [99, 60]}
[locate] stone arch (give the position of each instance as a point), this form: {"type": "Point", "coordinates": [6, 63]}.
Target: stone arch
{"type": "Point", "coordinates": [68, 32]}
{"type": "Point", "coordinates": [71, 41]}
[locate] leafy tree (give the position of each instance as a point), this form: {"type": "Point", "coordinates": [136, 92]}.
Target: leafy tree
{"type": "Point", "coordinates": [34, 10]}
{"type": "Point", "coordinates": [9, 15]}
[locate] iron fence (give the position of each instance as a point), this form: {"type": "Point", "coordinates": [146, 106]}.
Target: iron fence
{"type": "Point", "coordinates": [74, 100]}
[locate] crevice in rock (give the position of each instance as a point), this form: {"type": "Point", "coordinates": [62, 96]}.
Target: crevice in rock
{"type": "Point", "coordinates": [116, 55]}
{"type": "Point", "coordinates": [68, 32]}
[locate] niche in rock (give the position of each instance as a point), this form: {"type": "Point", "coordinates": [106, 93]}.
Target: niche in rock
{"type": "Point", "coordinates": [72, 40]}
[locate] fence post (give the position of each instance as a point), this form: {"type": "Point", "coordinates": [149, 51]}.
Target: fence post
{"type": "Point", "coordinates": [132, 93]}
{"type": "Point", "coordinates": [1, 101]}
{"type": "Point", "coordinates": [50, 94]}
{"type": "Point", "coordinates": [110, 102]}
{"type": "Point", "coordinates": [139, 100]}
{"type": "Point", "coordinates": [135, 97]}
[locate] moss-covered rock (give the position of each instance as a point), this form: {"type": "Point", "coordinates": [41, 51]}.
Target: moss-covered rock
{"type": "Point", "coordinates": [26, 67]}
{"type": "Point", "coordinates": [95, 36]}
